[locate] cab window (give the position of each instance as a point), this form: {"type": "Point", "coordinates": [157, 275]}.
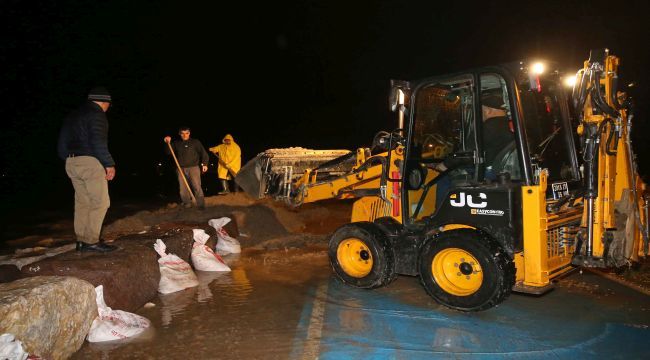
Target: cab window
{"type": "Point", "coordinates": [443, 115]}
{"type": "Point", "coordinates": [549, 134]}
{"type": "Point", "coordinates": [499, 147]}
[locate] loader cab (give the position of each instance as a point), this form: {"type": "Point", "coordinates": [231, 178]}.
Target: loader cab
{"type": "Point", "coordinates": [494, 127]}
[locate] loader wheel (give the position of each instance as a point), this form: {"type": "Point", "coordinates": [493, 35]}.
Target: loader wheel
{"type": "Point", "coordinates": [466, 270]}
{"type": "Point", "coordinates": [361, 256]}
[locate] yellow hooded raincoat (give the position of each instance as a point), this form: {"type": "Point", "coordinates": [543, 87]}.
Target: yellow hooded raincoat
{"type": "Point", "coordinates": [230, 155]}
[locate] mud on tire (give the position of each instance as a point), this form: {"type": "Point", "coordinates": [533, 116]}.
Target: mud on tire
{"type": "Point", "coordinates": [379, 253]}
{"type": "Point", "coordinates": [498, 270]}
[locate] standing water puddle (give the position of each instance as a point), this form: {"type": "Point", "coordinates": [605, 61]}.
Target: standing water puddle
{"type": "Point", "coordinates": [248, 313]}
{"type": "Point", "coordinates": [287, 305]}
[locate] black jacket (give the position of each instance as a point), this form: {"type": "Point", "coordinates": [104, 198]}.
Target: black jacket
{"type": "Point", "coordinates": [189, 153]}
{"type": "Point", "coordinates": [85, 133]}
{"type": "Point", "coordinates": [497, 135]}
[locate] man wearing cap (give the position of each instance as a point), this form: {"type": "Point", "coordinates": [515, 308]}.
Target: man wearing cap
{"type": "Point", "coordinates": [497, 135]}
{"type": "Point", "coordinates": [83, 145]}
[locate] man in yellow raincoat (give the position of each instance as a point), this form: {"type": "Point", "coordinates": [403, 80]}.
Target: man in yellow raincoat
{"type": "Point", "coordinates": [229, 155]}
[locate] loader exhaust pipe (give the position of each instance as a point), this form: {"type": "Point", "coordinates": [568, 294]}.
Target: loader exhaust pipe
{"type": "Point", "coordinates": [401, 110]}
{"type": "Point", "coordinates": [397, 100]}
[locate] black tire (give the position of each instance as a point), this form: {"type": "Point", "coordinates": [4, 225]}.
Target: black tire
{"type": "Point", "coordinates": [496, 267]}
{"type": "Point", "coordinates": [379, 249]}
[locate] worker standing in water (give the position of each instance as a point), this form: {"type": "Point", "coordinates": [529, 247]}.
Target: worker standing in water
{"type": "Point", "coordinates": [229, 155]}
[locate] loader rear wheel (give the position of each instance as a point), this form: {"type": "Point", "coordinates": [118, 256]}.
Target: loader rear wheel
{"type": "Point", "coordinates": [361, 256]}
{"type": "Point", "coordinates": [466, 270]}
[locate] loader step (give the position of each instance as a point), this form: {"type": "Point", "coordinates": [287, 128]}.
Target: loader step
{"type": "Point", "coordinates": [534, 290]}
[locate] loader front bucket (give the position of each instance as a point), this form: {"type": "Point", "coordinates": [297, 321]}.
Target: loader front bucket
{"type": "Point", "coordinates": [250, 179]}
{"type": "Point", "coordinates": [271, 172]}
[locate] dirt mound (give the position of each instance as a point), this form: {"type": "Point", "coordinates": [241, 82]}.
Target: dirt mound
{"type": "Point", "coordinates": [258, 221]}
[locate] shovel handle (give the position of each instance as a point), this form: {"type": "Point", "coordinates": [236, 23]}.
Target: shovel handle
{"type": "Point", "coordinates": [180, 170]}
{"type": "Point", "coordinates": [227, 167]}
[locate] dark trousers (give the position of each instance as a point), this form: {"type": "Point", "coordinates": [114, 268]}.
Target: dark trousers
{"type": "Point", "coordinates": [193, 176]}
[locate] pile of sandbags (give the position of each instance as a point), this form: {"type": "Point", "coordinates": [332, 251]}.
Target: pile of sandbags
{"type": "Point", "coordinates": [176, 274]}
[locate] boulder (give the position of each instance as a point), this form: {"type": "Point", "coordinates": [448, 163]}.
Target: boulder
{"type": "Point", "coordinates": [130, 275]}
{"type": "Point", "coordinates": [51, 315]}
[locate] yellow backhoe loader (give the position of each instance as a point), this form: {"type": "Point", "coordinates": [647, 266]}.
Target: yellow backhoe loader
{"type": "Point", "coordinates": [497, 179]}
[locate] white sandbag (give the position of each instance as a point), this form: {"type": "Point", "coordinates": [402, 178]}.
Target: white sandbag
{"type": "Point", "coordinates": [11, 348]}
{"type": "Point", "coordinates": [225, 243]}
{"type": "Point", "coordinates": [203, 258]}
{"type": "Point", "coordinates": [114, 324]}
{"type": "Point", "coordinates": [175, 273]}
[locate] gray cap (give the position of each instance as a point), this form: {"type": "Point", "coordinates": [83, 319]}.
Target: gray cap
{"type": "Point", "coordinates": [99, 93]}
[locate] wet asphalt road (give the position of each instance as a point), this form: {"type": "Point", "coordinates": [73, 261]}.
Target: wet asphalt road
{"type": "Point", "coordinates": [287, 305]}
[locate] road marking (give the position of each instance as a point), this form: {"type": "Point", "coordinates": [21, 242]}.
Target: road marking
{"type": "Point", "coordinates": [311, 349]}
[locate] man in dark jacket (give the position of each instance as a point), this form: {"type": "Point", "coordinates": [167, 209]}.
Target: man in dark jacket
{"type": "Point", "coordinates": [83, 145]}
{"type": "Point", "coordinates": [497, 132]}
{"type": "Point", "coordinates": [193, 160]}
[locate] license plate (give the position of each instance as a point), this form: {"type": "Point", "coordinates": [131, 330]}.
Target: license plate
{"type": "Point", "coordinates": [560, 190]}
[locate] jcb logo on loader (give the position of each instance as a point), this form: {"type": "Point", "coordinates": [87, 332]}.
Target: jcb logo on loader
{"type": "Point", "coordinates": [460, 200]}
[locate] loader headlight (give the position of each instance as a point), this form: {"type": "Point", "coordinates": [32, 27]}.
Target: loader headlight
{"type": "Point", "coordinates": [569, 81]}
{"type": "Point", "coordinates": [537, 68]}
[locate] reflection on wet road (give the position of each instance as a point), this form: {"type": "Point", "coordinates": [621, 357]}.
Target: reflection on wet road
{"type": "Point", "coordinates": [289, 306]}
{"type": "Point", "coordinates": [401, 322]}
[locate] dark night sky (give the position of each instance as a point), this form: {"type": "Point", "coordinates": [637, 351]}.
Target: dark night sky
{"type": "Point", "coordinates": [286, 73]}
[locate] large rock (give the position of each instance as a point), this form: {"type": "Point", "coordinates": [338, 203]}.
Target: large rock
{"type": "Point", "coordinates": [51, 315]}
{"type": "Point", "coordinates": [130, 275]}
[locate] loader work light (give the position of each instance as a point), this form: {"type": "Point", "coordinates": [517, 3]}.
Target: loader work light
{"type": "Point", "coordinates": [569, 81]}
{"type": "Point", "coordinates": [537, 68]}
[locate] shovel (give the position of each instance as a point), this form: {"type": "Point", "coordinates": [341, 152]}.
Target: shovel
{"type": "Point", "coordinates": [180, 170]}
{"type": "Point", "coordinates": [231, 171]}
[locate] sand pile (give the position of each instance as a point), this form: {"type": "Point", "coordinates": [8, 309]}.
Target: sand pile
{"type": "Point", "coordinates": [262, 224]}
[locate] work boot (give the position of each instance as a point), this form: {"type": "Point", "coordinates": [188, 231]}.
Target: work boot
{"type": "Point", "coordinates": [224, 186]}
{"type": "Point", "coordinates": [98, 247]}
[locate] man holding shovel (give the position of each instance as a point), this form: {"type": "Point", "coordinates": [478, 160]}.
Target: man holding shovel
{"type": "Point", "coordinates": [191, 160]}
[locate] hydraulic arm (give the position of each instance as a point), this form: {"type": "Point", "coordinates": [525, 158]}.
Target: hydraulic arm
{"type": "Point", "coordinates": [614, 220]}
{"type": "Point", "coordinates": [374, 178]}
